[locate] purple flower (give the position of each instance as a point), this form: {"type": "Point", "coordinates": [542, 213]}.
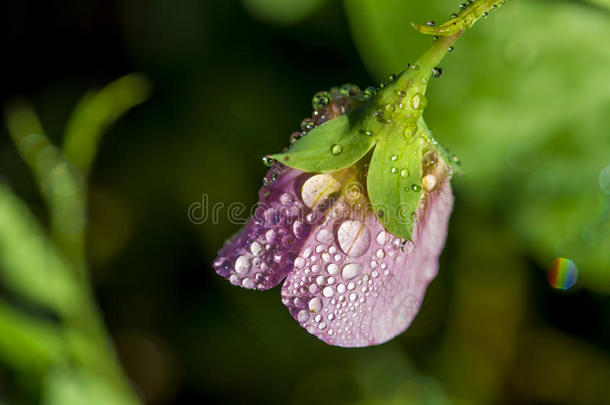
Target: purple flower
{"type": "Point", "coordinates": [347, 280]}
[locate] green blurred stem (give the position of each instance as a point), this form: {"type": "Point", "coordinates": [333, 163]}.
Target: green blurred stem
{"type": "Point", "coordinates": [60, 185]}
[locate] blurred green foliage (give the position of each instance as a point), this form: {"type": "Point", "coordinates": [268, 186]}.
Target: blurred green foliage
{"type": "Point", "coordinates": [70, 357]}
{"type": "Point", "coordinates": [524, 104]}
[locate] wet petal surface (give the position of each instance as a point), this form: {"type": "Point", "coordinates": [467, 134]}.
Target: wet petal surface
{"type": "Point", "coordinates": [358, 285]}
{"type": "Point", "coordinates": [261, 255]}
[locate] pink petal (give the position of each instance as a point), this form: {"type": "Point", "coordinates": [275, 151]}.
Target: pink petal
{"type": "Point", "coordinates": [353, 284]}
{"type": "Point", "coordinates": [261, 255]}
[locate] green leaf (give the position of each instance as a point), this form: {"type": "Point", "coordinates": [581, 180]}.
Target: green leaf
{"type": "Point", "coordinates": [394, 181]}
{"type": "Point", "coordinates": [334, 145]}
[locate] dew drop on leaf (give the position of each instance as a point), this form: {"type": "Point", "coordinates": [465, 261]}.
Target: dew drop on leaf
{"type": "Point", "coordinates": [336, 149]}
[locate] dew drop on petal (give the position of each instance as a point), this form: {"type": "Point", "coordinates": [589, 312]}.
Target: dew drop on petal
{"type": "Point", "coordinates": [242, 265]}
{"type": "Point", "coordinates": [315, 304]}
{"type": "Point", "coordinates": [299, 262]}
{"type": "Point", "coordinates": [303, 316]}
{"type": "Point", "coordinates": [351, 270]}
{"type": "Point", "coordinates": [332, 269]}
{"type": "Point", "coordinates": [354, 238]}
{"type": "Point", "coordinates": [382, 238]}
{"type": "Point", "coordinates": [317, 189]}
{"type": "Point", "coordinates": [256, 248]}
{"type": "Point", "coordinates": [328, 292]}
{"type": "Point", "coordinates": [247, 282]}
{"type": "Point", "coordinates": [407, 247]}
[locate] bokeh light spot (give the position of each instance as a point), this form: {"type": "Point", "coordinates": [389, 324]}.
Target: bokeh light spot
{"type": "Point", "coordinates": [562, 273]}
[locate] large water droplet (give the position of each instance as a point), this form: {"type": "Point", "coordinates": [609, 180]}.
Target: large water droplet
{"type": "Point", "coordinates": [351, 270]}
{"type": "Point", "coordinates": [354, 238]}
{"type": "Point", "coordinates": [418, 101]}
{"type": "Point", "coordinates": [429, 182]}
{"type": "Point", "coordinates": [382, 238]}
{"type": "Point", "coordinates": [315, 304]}
{"type": "Point", "coordinates": [242, 264]}
{"type": "Point", "coordinates": [336, 149]}
{"type": "Point", "coordinates": [317, 189]}
{"type": "Point", "coordinates": [332, 269]}
{"type": "Point", "coordinates": [300, 262]}
{"type": "Point", "coordinates": [328, 292]}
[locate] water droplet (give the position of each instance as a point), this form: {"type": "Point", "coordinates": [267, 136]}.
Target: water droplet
{"type": "Point", "coordinates": [336, 149]}
{"type": "Point", "coordinates": [410, 128]}
{"type": "Point", "coordinates": [407, 247]}
{"type": "Point", "coordinates": [295, 136]}
{"type": "Point", "coordinates": [242, 265]}
{"type": "Point", "coordinates": [349, 90]}
{"type": "Point", "coordinates": [393, 170]}
{"type": "Point", "coordinates": [351, 270]}
{"type": "Point", "coordinates": [315, 304]}
{"type": "Point", "coordinates": [299, 262]}
{"type": "Point", "coordinates": [317, 189]}
{"type": "Point", "coordinates": [354, 238]}
{"type": "Point", "coordinates": [352, 297]}
{"type": "Point", "coordinates": [437, 72]}
{"type": "Point", "coordinates": [418, 101]}
{"type": "Point", "coordinates": [429, 182]}
{"type": "Point", "coordinates": [369, 92]}
{"type": "Point", "coordinates": [450, 49]}
{"type": "Point", "coordinates": [268, 161]}
{"type": "Point", "coordinates": [380, 253]}
{"type": "Point", "coordinates": [340, 289]}
{"type": "Point", "coordinates": [332, 269]}
{"type": "Point", "coordinates": [394, 158]}
{"type": "Point", "coordinates": [415, 187]}
{"type": "Point", "coordinates": [256, 248]}
{"type": "Point", "coordinates": [328, 292]}
{"type": "Point", "coordinates": [404, 172]}
{"type": "Point", "coordinates": [321, 100]}
{"type": "Point", "coordinates": [303, 316]}
{"type": "Point", "coordinates": [247, 283]}
{"type": "Point", "coordinates": [382, 238]}
{"type": "Point", "coordinates": [430, 23]}
{"type": "Point", "coordinates": [307, 124]}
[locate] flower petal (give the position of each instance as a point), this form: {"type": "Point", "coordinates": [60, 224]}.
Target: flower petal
{"type": "Point", "coordinates": [355, 284]}
{"type": "Point", "coordinates": [263, 252]}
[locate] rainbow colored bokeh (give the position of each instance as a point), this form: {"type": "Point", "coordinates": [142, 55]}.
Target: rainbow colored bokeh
{"type": "Point", "coordinates": [562, 273]}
